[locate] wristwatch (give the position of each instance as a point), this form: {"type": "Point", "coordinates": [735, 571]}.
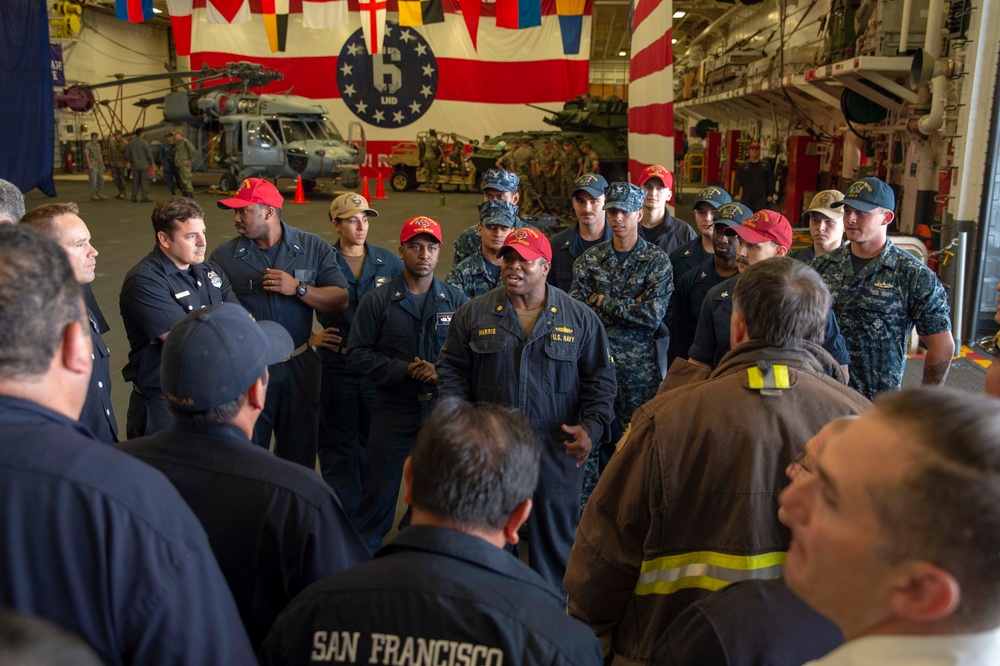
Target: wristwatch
{"type": "Point", "coordinates": [301, 290]}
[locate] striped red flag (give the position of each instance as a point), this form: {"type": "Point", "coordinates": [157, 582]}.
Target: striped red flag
{"type": "Point", "coordinates": [480, 90]}
{"type": "Point", "coordinates": [651, 87]}
{"type": "Point", "coordinates": [180, 22]}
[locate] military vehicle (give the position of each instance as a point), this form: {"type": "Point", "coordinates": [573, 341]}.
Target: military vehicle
{"type": "Point", "coordinates": [602, 122]}
{"type": "Point", "coordinates": [239, 133]}
{"type": "Point", "coordinates": [407, 160]}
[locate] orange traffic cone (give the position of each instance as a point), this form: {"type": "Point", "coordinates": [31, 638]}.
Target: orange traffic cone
{"type": "Point", "coordinates": [300, 193]}
{"type": "Point", "coordinates": [364, 189]}
{"type": "Point", "coordinates": [379, 188]}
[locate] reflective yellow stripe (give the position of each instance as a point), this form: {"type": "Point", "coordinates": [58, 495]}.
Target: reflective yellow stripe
{"type": "Point", "coordinates": [777, 379]}
{"type": "Point", "coordinates": [705, 570]}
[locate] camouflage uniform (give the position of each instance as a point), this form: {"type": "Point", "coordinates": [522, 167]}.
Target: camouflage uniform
{"type": "Point", "coordinates": [878, 308]}
{"type": "Point", "coordinates": [455, 161]}
{"type": "Point", "coordinates": [118, 147]}
{"type": "Point", "coordinates": [570, 164]}
{"type": "Point", "coordinates": [629, 322]}
{"type": "Point", "coordinates": [95, 155]}
{"type": "Point", "coordinates": [432, 160]}
{"type": "Point", "coordinates": [473, 277]}
{"type": "Point", "coordinates": [591, 161]}
{"type": "Point", "coordinates": [525, 166]}
{"type": "Point", "coordinates": [469, 243]}
{"type": "Point", "coordinates": [184, 151]}
{"type": "Point", "coordinates": [546, 183]}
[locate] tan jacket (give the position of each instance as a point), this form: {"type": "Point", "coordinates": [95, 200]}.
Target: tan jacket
{"type": "Point", "coordinates": [689, 504]}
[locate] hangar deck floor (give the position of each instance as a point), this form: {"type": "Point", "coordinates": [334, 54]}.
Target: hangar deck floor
{"type": "Point", "coordinates": [122, 234]}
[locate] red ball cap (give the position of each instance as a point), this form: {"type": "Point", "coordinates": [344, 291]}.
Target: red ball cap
{"type": "Point", "coordinates": [529, 243]}
{"type": "Point", "coordinates": [766, 225]}
{"type": "Point", "coordinates": [254, 191]}
{"type": "Point", "coordinates": [420, 225]}
{"type": "Point", "coordinates": [657, 171]}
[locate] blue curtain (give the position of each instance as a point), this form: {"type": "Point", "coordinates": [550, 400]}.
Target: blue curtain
{"type": "Point", "coordinates": [27, 131]}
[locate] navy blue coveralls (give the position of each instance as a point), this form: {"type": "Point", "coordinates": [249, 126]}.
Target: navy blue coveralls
{"type": "Point", "coordinates": [567, 245]}
{"type": "Point", "coordinates": [346, 398]}
{"type": "Point", "coordinates": [275, 527]}
{"type": "Point", "coordinates": [561, 373]}
{"type": "Point", "coordinates": [155, 295]}
{"type": "Point", "coordinates": [711, 340]}
{"type": "Point", "coordinates": [437, 592]}
{"type": "Point", "coordinates": [104, 547]}
{"type": "Point", "coordinates": [290, 411]}
{"type": "Point", "coordinates": [389, 330]}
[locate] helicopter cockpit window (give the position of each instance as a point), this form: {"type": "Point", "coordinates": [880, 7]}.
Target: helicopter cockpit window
{"type": "Point", "coordinates": [327, 130]}
{"type": "Point", "coordinates": [295, 130]}
{"type": "Point", "coordinates": [260, 135]}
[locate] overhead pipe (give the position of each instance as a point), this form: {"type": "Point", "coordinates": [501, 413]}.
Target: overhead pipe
{"type": "Point", "coordinates": [722, 20]}
{"type": "Point", "coordinates": [932, 122]}
{"type": "Point", "coordinates": [904, 30]}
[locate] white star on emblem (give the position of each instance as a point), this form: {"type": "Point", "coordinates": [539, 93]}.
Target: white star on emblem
{"type": "Point", "coordinates": [354, 48]}
{"type": "Point", "coordinates": [415, 107]}
{"type": "Point", "coordinates": [404, 36]}
{"type": "Point", "coordinates": [349, 90]}
{"type": "Point", "coordinates": [388, 29]}
{"type": "Point", "coordinates": [379, 116]}
{"type": "Point", "coordinates": [426, 91]}
{"type": "Point", "coordinates": [347, 69]}
{"type": "Point", "coordinates": [421, 49]}
{"type": "Point", "coordinates": [361, 107]}
{"type": "Point", "coordinates": [428, 70]}
{"type": "Point", "coordinates": [397, 117]}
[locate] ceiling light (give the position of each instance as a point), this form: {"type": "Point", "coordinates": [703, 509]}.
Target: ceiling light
{"type": "Point", "coordinates": [673, 41]}
{"type": "Point", "coordinates": [622, 53]}
{"type": "Point", "coordinates": [157, 10]}
{"type": "Point", "coordinates": [680, 14]}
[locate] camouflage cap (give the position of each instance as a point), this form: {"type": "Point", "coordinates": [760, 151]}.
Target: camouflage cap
{"type": "Point", "coordinates": [732, 214]}
{"type": "Point", "coordinates": [525, 137]}
{"type": "Point", "coordinates": [497, 211]}
{"type": "Point", "coordinates": [498, 179]}
{"type": "Point", "coordinates": [624, 196]}
{"type": "Point", "coordinates": [716, 196]}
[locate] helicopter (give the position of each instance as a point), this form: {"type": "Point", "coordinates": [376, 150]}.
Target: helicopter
{"type": "Point", "coordinates": [239, 134]}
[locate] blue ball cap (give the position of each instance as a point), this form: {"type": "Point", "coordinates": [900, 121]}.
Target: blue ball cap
{"type": "Point", "coordinates": [498, 179]}
{"type": "Point", "coordinates": [497, 211]}
{"type": "Point", "coordinates": [868, 194]}
{"type": "Point", "coordinates": [215, 354]}
{"type": "Point", "coordinates": [624, 196]}
{"type": "Point", "coordinates": [732, 214]}
{"type": "Point", "coordinates": [716, 196]}
{"type": "Point", "coordinates": [593, 184]}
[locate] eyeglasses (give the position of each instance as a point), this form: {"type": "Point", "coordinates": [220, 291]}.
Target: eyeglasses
{"type": "Point", "coordinates": [799, 461]}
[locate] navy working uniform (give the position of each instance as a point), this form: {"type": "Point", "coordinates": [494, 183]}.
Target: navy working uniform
{"type": "Point", "coordinates": [391, 327]}
{"type": "Point", "coordinates": [103, 546]}
{"type": "Point", "coordinates": [293, 388]}
{"type": "Point", "coordinates": [474, 275]}
{"type": "Point", "coordinates": [635, 292]}
{"type": "Point", "coordinates": [560, 373]}
{"type": "Point", "coordinates": [155, 295]}
{"type": "Point", "coordinates": [469, 243]}
{"type": "Point", "coordinates": [879, 307]}
{"type": "Point", "coordinates": [439, 596]}
{"type": "Point", "coordinates": [711, 340]}
{"type": "Point", "coordinates": [346, 397]}
{"type": "Point", "coordinates": [278, 528]}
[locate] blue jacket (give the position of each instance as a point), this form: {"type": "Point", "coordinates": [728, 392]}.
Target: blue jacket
{"type": "Point", "coordinates": [104, 547]}
{"type": "Point", "coordinates": [432, 590]}
{"type": "Point", "coordinates": [380, 267]}
{"type": "Point", "coordinates": [566, 247]}
{"type": "Point", "coordinates": [389, 331]}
